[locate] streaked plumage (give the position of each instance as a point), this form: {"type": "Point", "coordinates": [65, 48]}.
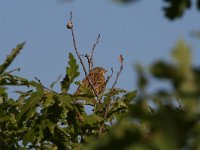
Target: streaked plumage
{"type": "Point", "coordinates": [97, 78]}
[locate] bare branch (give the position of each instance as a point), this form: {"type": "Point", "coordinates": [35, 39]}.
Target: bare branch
{"type": "Point", "coordinates": [89, 62]}
{"type": "Point", "coordinates": [92, 52]}
{"type": "Point", "coordinates": [121, 59]}
{"type": "Point", "coordinates": [79, 57]}
{"type": "Point", "coordinates": [110, 76]}
{"type": "Point", "coordinates": [16, 69]}
{"type": "Point", "coordinates": [108, 105]}
{"type": "Point", "coordinates": [88, 59]}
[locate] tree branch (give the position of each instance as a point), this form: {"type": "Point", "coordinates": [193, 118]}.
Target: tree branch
{"type": "Point", "coordinates": [92, 52]}
{"type": "Point", "coordinates": [107, 107]}
{"type": "Point", "coordinates": [70, 26]}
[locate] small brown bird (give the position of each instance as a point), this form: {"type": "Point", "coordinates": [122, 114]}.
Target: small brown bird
{"type": "Point", "coordinates": [96, 76]}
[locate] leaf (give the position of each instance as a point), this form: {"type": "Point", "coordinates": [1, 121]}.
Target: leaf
{"type": "Point", "coordinates": [115, 91]}
{"type": "Point", "coordinates": [28, 137]}
{"type": "Point", "coordinates": [119, 109]}
{"type": "Point", "coordinates": [50, 125]}
{"type": "Point", "coordinates": [29, 107]}
{"type": "Point", "coordinates": [164, 70]}
{"type": "Point", "coordinates": [198, 4]}
{"type": "Point", "coordinates": [176, 8]}
{"type": "Point", "coordinates": [142, 79]}
{"type": "Point", "coordinates": [9, 79]}
{"type": "Point", "coordinates": [49, 100]}
{"type": "Point", "coordinates": [182, 54]}
{"type": "Point", "coordinates": [53, 83]}
{"type": "Point", "coordinates": [11, 57]}
{"type": "Point", "coordinates": [3, 94]}
{"type": "Point", "coordinates": [71, 73]}
{"type": "Point", "coordinates": [92, 119]}
{"type": "Point", "coordinates": [65, 101]}
{"type": "Point", "coordinates": [130, 96]}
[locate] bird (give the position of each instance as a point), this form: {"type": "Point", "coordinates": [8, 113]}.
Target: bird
{"type": "Point", "coordinates": [96, 76]}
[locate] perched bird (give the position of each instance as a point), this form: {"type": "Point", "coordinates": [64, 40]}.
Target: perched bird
{"type": "Point", "coordinates": [96, 76]}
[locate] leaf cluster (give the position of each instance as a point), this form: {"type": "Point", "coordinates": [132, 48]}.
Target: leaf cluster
{"type": "Point", "coordinates": [40, 118]}
{"type": "Point", "coordinates": [174, 9]}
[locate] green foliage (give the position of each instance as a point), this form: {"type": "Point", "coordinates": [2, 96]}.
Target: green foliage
{"type": "Point", "coordinates": [40, 118]}
{"type": "Point", "coordinates": [11, 57]}
{"type": "Point", "coordinates": [174, 9]}
{"type": "Point", "coordinates": [198, 4]}
{"type": "Point", "coordinates": [71, 73]}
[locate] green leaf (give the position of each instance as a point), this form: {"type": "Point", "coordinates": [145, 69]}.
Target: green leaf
{"type": "Point", "coordinates": [198, 4]}
{"type": "Point", "coordinates": [9, 79]}
{"type": "Point", "coordinates": [71, 73]}
{"type": "Point", "coordinates": [65, 101]}
{"type": "Point", "coordinates": [28, 109]}
{"type": "Point", "coordinates": [92, 119]}
{"type": "Point", "coordinates": [182, 54]}
{"type": "Point", "coordinates": [3, 94]}
{"type": "Point", "coordinates": [49, 100]}
{"type": "Point", "coordinates": [28, 137]}
{"type": "Point", "coordinates": [53, 83]}
{"type": "Point", "coordinates": [176, 8]}
{"type": "Point", "coordinates": [11, 57]}
{"type": "Point", "coordinates": [49, 124]}
{"type": "Point", "coordinates": [130, 96]}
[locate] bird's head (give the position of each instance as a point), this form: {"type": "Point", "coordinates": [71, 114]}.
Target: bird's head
{"type": "Point", "coordinates": [99, 70]}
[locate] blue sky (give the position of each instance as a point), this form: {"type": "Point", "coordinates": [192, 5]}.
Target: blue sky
{"type": "Point", "coordinates": [137, 31]}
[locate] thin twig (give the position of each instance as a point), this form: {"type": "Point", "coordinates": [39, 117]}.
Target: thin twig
{"type": "Point", "coordinates": [80, 59]}
{"type": "Point", "coordinates": [70, 16]}
{"type": "Point", "coordinates": [38, 80]}
{"type": "Point", "coordinates": [90, 57]}
{"type": "Point", "coordinates": [113, 86]}
{"type": "Point", "coordinates": [107, 107]}
{"type": "Point", "coordinates": [92, 52]}
{"type": "Point", "coordinates": [88, 60]}
{"type": "Point", "coordinates": [16, 69]}
{"type": "Point", "coordinates": [121, 59]}
{"type": "Point", "coordinates": [110, 76]}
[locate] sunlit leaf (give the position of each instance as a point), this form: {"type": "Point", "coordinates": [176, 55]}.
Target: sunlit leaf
{"type": "Point", "coordinates": [182, 54]}
{"type": "Point", "coordinates": [71, 73]}
{"type": "Point", "coordinates": [53, 83]}
{"type": "Point", "coordinates": [11, 57]}
{"type": "Point", "coordinates": [30, 105]}
{"type": "Point", "coordinates": [49, 100]}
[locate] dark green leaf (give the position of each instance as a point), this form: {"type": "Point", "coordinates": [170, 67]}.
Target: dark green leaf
{"type": "Point", "coordinates": [11, 57]}
{"type": "Point", "coordinates": [29, 137]}
{"type": "Point", "coordinates": [198, 4]}
{"type": "Point", "coordinates": [176, 8]}
{"type": "Point", "coordinates": [71, 73]}
{"type": "Point", "coordinates": [29, 108]}
{"type": "Point", "coordinates": [129, 96]}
